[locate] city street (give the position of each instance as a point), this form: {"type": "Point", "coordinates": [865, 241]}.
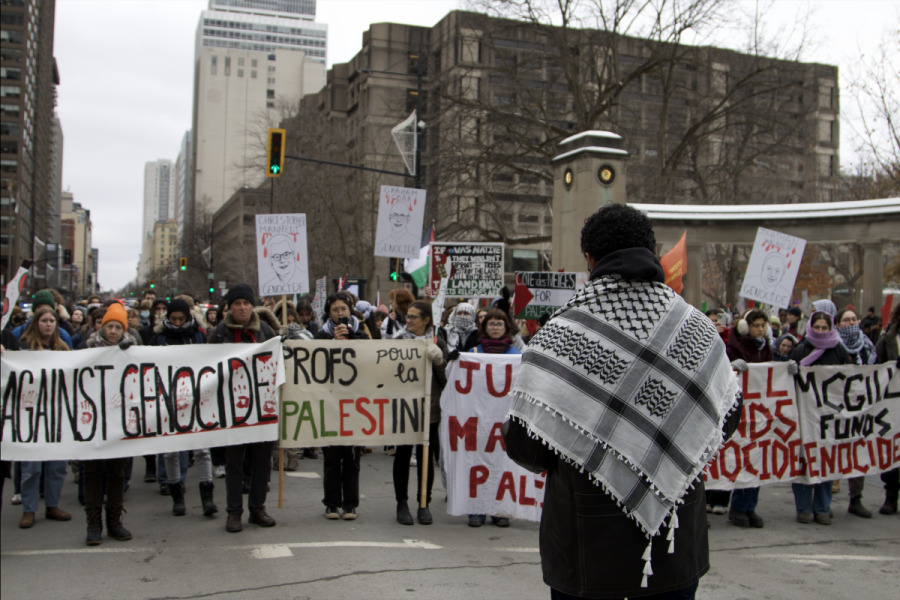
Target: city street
{"type": "Point", "coordinates": [308, 557]}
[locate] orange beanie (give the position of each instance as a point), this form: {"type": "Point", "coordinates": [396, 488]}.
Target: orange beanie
{"type": "Point", "coordinates": [116, 312]}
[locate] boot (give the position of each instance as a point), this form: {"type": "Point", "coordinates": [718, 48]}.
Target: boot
{"type": "Point", "coordinates": [890, 503]}
{"type": "Point", "coordinates": [206, 498]}
{"type": "Point", "coordinates": [857, 508]}
{"type": "Point", "coordinates": [261, 517]}
{"type": "Point", "coordinates": [114, 527]}
{"type": "Point", "coordinates": [177, 493]}
{"type": "Point", "coordinates": [94, 525]}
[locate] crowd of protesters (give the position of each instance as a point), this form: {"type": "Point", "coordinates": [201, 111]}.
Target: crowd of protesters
{"type": "Point", "coordinates": [827, 336]}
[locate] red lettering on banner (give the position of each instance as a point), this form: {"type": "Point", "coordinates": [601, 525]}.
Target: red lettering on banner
{"type": "Point", "coordinates": [747, 394]}
{"type": "Point", "coordinates": [770, 393]}
{"type": "Point", "coordinates": [712, 467]}
{"type": "Point", "coordinates": [524, 499]}
{"type": "Point", "coordinates": [811, 459]}
{"type": "Point", "coordinates": [871, 447]}
{"type": "Point", "coordinates": [723, 462]}
{"type": "Point", "coordinates": [478, 475]}
{"type": "Point", "coordinates": [748, 462]}
{"type": "Point", "coordinates": [778, 468]}
{"type": "Point", "coordinates": [856, 463]}
{"type": "Point", "coordinates": [845, 460]}
{"type": "Point", "coordinates": [829, 459]}
{"type": "Point", "coordinates": [507, 383]}
{"type": "Point", "coordinates": [507, 484]}
{"type": "Point", "coordinates": [796, 458]}
{"type": "Point", "coordinates": [764, 447]}
{"type": "Point", "coordinates": [756, 409]}
{"type": "Point", "coordinates": [896, 456]}
{"type": "Point", "coordinates": [884, 453]}
{"type": "Point", "coordinates": [495, 437]}
{"type": "Point", "coordinates": [344, 432]}
{"type": "Point", "coordinates": [779, 405]}
{"type": "Point", "coordinates": [361, 410]}
{"type": "Point", "coordinates": [381, 402]}
{"type": "Point", "coordinates": [469, 432]}
{"type": "Point", "coordinates": [469, 366]}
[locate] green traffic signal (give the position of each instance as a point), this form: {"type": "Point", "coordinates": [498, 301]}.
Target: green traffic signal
{"type": "Point", "coordinates": [274, 169]}
{"type": "Point", "coordinates": [393, 275]}
{"type": "Point", "coordinates": [211, 290]}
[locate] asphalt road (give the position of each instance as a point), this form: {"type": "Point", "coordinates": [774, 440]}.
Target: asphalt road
{"type": "Point", "coordinates": [308, 557]}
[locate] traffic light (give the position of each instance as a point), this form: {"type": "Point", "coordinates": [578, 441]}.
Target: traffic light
{"type": "Point", "coordinates": [394, 275]}
{"type": "Point", "coordinates": [211, 289]}
{"type": "Point", "coordinates": [182, 263]}
{"type": "Point", "coordinates": [152, 285]}
{"type": "Point", "coordinates": [275, 155]}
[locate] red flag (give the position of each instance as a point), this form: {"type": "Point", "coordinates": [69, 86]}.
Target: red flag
{"type": "Point", "coordinates": [886, 309]}
{"type": "Point", "coordinates": [674, 264]}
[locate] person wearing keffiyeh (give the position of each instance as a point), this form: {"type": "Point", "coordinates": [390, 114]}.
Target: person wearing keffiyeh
{"type": "Point", "coordinates": [623, 397]}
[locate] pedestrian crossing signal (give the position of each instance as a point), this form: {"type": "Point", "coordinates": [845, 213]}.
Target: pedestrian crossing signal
{"type": "Point", "coordinates": [275, 154]}
{"type": "Point", "coordinates": [182, 263]}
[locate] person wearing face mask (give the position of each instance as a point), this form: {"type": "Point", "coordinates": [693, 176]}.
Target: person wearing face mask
{"type": "Point", "coordinates": [341, 469]}
{"type": "Point", "coordinates": [157, 312]}
{"type": "Point", "coordinates": [461, 325]}
{"type": "Point", "coordinates": [822, 346]}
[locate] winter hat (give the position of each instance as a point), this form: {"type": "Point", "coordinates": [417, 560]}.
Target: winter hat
{"type": "Point", "coordinates": [826, 306]}
{"type": "Point", "coordinates": [157, 302]}
{"type": "Point", "coordinates": [463, 316]}
{"type": "Point", "coordinates": [115, 312]}
{"type": "Point", "coordinates": [43, 298]}
{"type": "Point", "coordinates": [795, 310]}
{"type": "Point", "coordinates": [238, 291]}
{"type": "Point", "coordinates": [364, 308]}
{"type": "Point", "coordinates": [179, 305]}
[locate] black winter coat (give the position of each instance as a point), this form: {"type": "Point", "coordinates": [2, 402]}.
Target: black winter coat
{"type": "Point", "coordinates": [832, 356]}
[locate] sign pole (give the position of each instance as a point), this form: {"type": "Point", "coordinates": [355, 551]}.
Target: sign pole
{"type": "Point", "coordinates": [281, 451]}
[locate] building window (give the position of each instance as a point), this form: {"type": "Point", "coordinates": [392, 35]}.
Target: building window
{"type": "Point", "coordinates": [240, 72]}
{"type": "Point", "coordinates": [270, 94]}
{"type": "Point", "coordinates": [253, 63]}
{"type": "Point", "coordinates": [213, 65]}
{"type": "Point", "coordinates": [253, 74]}
{"type": "Point", "coordinates": [271, 81]}
{"type": "Point", "coordinates": [227, 66]}
{"type": "Point", "coordinates": [240, 62]}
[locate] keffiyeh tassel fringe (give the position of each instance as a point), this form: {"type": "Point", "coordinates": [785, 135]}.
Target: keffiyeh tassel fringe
{"type": "Point", "coordinates": [673, 525]}
{"type": "Point", "coordinates": [648, 569]}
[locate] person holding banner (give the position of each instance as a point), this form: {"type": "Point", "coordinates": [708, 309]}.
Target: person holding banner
{"type": "Point", "coordinates": [419, 325]}
{"type": "Point", "coordinates": [113, 331]}
{"type": "Point", "coordinates": [822, 346]}
{"type": "Point", "coordinates": [241, 324]}
{"type": "Point", "coordinates": [888, 349]}
{"type": "Point", "coordinates": [341, 470]}
{"type": "Point", "coordinates": [622, 398]}
{"type": "Point", "coordinates": [42, 333]}
{"type": "Point", "coordinates": [401, 298]}
{"type": "Point", "coordinates": [750, 341]}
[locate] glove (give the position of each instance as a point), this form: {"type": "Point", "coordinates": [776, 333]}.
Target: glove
{"type": "Point", "coordinates": [434, 354]}
{"type": "Point", "coordinates": [454, 354]}
{"type": "Point", "coordinates": [739, 365]}
{"type": "Point", "coordinates": [793, 367]}
{"type": "Point", "coordinates": [126, 344]}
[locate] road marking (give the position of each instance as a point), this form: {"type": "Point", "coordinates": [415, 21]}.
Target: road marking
{"type": "Point", "coordinates": [819, 557]}
{"type": "Point", "coordinates": [271, 551]}
{"type": "Point", "coordinates": [303, 474]}
{"type": "Point", "coordinates": [515, 549]}
{"type": "Point", "coordinates": [264, 551]}
{"type": "Point", "coordinates": [75, 551]}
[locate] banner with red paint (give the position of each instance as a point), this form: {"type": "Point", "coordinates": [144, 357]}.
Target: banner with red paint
{"type": "Point", "coordinates": [481, 479]}
{"type": "Point", "coordinates": [826, 423]}
{"type": "Point", "coordinates": [108, 402]}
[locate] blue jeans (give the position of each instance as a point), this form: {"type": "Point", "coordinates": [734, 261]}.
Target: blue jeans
{"type": "Point", "coordinates": [54, 476]}
{"type": "Point", "coordinates": [177, 464]}
{"type": "Point", "coordinates": [812, 498]}
{"type": "Point", "coordinates": [183, 461]}
{"type": "Point", "coordinates": [744, 500]}
{"type": "Point", "coordinates": [687, 593]}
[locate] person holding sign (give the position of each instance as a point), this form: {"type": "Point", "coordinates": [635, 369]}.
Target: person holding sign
{"type": "Point", "coordinates": [888, 349]}
{"type": "Point", "coordinates": [341, 470]}
{"type": "Point", "coordinates": [822, 346]}
{"type": "Point", "coordinates": [42, 333]}
{"type": "Point", "coordinates": [241, 324]}
{"type": "Point", "coordinates": [419, 326]}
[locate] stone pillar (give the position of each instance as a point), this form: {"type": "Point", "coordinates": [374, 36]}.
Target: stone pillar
{"type": "Point", "coordinates": [873, 277]}
{"type": "Point", "coordinates": [588, 172]}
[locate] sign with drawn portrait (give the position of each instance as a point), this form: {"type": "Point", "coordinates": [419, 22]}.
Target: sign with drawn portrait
{"type": "Point", "coordinates": [281, 254]}
{"type": "Point", "coordinates": [401, 212]}
{"type": "Point", "coordinates": [773, 267]}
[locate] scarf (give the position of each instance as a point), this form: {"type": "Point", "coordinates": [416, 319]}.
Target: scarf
{"type": "Point", "coordinates": [406, 334]}
{"type": "Point", "coordinates": [819, 341]}
{"type": "Point", "coordinates": [329, 326]}
{"type": "Point", "coordinates": [491, 346]}
{"type": "Point", "coordinates": [462, 324]}
{"type": "Point", "coordinates": [632, 385]}
{"type": "Point", "coordinates": [856, 342]}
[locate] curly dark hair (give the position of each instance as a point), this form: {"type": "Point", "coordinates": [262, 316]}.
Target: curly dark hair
{"type": "Point", "coordinates": [616, 227]}
{"type": "Point", "coordinates": [338, 297]}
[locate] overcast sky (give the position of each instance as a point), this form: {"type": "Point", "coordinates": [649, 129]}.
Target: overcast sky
{"type": "Point", "coordinates": [126, 83]}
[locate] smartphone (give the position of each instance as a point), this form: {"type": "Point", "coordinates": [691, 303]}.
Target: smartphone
{"type": "Point", "coordinates": [344, 320]}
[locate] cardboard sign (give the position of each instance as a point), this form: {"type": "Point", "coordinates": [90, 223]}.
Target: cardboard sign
{"type": "Point", "coordinates": [542, 292]}
{"type": "Point", "coordinates": [401, 213]}
{"type": "Point", "coordinates": [473, 270]}
{"type": "Point", "coordinates": [773, 268]}
{"type": "Point", "coordinates": [281, 254]}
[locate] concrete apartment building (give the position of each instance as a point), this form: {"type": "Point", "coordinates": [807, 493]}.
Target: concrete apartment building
{"type": "Point", "coordinates": [165, 247]}
{"type": "Point", "coordinates": [29, 186]}
{"type": "Point", "coordinates": [159, 206]}
{"type": "Point", "coordinates": [79, 273]}
{"type": "Point", "coordinates": [719, 127]}
{"type": "Point", "coordinates": [254, 60]}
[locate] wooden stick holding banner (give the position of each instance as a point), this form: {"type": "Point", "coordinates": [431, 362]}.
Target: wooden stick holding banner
{"type": "Point", "coordinates": [281, 451]}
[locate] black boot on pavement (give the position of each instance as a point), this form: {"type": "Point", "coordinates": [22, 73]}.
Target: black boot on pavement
{"type": "Point", "coordinates": [404, 517]}
{"type": "Point", "coordinates": [233, 523]}
{"type": "Point", "coordinates": [890, 503]}
{"type": "Point", "coordinates": [177, 493]}
{"type": "Point", "coordinates": [424, 516]}
{"type": "Point", "coordinates": [114, 527]}
{"type": "Point", "coordinates": [206, 498]}
{"type": "Point", "coordinates": [856, 508]}
{"type": "Point", "coordinates": [94, 525]}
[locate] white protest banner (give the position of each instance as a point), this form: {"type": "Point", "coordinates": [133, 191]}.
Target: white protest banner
{"type": "Point", "coordinates": [108, 402]}
{"type": "Point", "coordinates": [474, 270]}
{"type": "Point", "coordinates": [767, 443]}
{"type": "Point", "coordinates": [281, 255]}
{"type": "Point", "coordinates": [481, 479]}
{"type": "Point", "coordinates": [355, 393]}
{"type": "Point", "coordinates": [401, 214]}
{"type": "Point", "coordinates": [828, 423]}
{"type": "Point", "coordinates": [542, 292]}
{"type": "Point", "coordinates": [850, 421]}
{"type": "Point", "coordinates": [13, 289]}
{"type": "Point", "coordinates": [437, 307]}
{"type": "Point", "coordinates": [773, 268]}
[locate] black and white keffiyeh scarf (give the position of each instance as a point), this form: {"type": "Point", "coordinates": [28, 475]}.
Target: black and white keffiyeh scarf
{"type": "Point", "coordinates": [632, 385]}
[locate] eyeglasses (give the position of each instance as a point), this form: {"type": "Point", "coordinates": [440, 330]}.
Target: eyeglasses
{"type": "Point", "coordinates": [496, 324]}
{"type": "Point", "coordinates": [414, 317]}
